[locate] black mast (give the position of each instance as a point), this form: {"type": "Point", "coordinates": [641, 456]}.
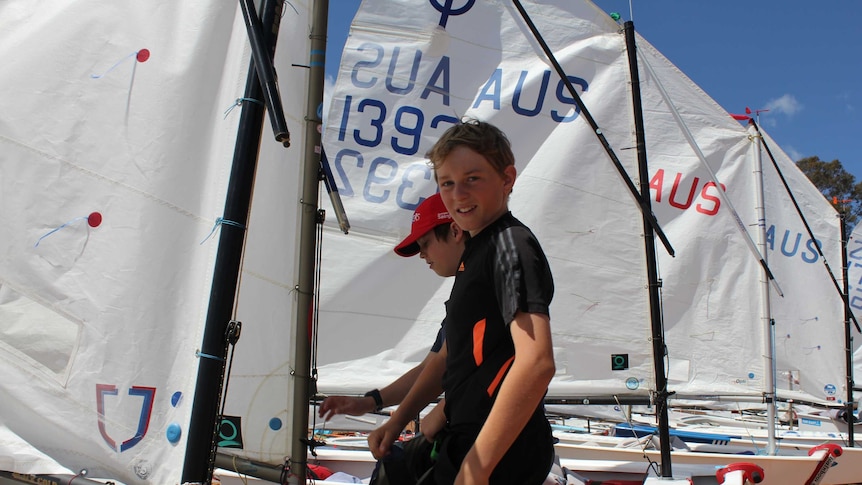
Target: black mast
{"type": "Point", "coordinates": [658, 347]}
{"type": "Point", "coordinates": [848, 332]}
{"type": "Point", "coordinates": [203, 427]}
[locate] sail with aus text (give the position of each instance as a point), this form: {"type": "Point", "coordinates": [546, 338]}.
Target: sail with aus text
{"type": "Point", "coordinates": [401, 84]}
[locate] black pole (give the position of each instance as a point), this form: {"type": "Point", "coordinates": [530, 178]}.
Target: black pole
{"type": "Point", "coordinates": [261, 54]}
{"type": "Point", "coordinates": [203, 427]}
{"type": "Point", "coordinates": [658, 346]}
{"type": "Point", "coordinates": [848, 332]}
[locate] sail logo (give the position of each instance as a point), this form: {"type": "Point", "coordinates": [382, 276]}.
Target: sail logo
{"type": "Point", "coordinates": [146, 395]}
{"type": "Point", "coordinates": [446, 10]}
{"type": "Point", "coordinates": [230, 432]}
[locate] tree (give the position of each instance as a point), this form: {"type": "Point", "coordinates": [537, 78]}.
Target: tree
{"type": "Point", "coordinates": [836, 184]}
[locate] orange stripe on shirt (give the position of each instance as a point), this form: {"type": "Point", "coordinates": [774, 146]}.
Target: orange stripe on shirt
{"type": "Point", "coordinates": [496, 382]}
{"type": "Point", "coordinates": [478, 341]}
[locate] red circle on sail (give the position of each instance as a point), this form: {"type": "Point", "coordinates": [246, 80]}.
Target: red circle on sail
{"type": "Point", "coordinates": [94, 219]}
{"type": "Point", "coordinates": [143, 55]}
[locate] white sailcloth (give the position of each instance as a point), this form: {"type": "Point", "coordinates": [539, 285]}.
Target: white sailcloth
{"type": "Point", "coordinates": [114, 158]}
{"type": "Point", "coordinates": [567, 190]}
{"type": "Point", "coordinates": [854, 280]}
{"type": "Point", "coordinates": [809, 319]}
{"type": "Point", "coordinates": [400, 85]}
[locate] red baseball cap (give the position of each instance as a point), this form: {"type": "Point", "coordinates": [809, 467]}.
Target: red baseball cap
{"type": "Point", "coordinates": [430, 214]}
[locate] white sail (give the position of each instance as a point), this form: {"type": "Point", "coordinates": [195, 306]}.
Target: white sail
{"type": "Point", "coordinates": [416, 78]}
{"type": "Point", "coordinates": [854, 281]}
{"type": "Point", "coordinates": [809, 332]}
{"type": "Point", "coordinates": [402, 81]}
{"type": "Point", "coordinates": [809, 320]}
{"type": "Point", "coordinates": [567, 191]}
{"type": "Point", "coordinates": [258, 390]}
{"type": "Point", "coordinates": [114, 113]}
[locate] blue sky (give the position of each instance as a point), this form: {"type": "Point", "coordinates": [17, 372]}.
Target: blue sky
{"type": "Point", "coordinates": [801, 60]}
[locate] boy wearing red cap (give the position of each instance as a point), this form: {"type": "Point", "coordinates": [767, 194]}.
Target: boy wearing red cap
{"type": "Point", "coordinates": [440, 242]}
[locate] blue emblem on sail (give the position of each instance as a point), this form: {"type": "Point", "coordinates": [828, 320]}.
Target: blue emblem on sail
{"type": "Point", "coordinates": [147, 393]}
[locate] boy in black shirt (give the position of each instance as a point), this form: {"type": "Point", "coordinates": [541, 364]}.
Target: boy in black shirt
{"type": "Point", "coordinates": [500, 356]}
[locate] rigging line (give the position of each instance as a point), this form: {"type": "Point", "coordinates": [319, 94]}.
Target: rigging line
{"type": "Point", "coordinates": [650, 463]}
{"type": "Point", "coordinates": [315, 312]}
{"type": "Point", "coordinates": [697, 151]}
{"type": "Point", "coordinates": [804, 222]}
{"type": "Point", "coordinates": [639, 198]}
{"type": "Point", "coordinates": [757, 449]}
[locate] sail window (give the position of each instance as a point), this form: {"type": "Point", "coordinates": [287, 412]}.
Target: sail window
{"type": "Point", "coordinates": [35, 333]}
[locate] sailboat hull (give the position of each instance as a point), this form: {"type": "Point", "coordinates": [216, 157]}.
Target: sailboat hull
{"type": "Point", "coordinates": [778, 470]}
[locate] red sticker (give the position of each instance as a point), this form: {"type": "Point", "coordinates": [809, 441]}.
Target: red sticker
{"type": "Point", "coordinates": [94, 219]}
{"type": "Point", "coordinates": [143, 55]}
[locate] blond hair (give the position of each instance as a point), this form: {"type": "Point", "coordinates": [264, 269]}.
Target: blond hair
{"type": "Point", "coordinates": [479, 136]}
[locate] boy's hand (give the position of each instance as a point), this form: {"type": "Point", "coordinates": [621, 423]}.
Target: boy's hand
{"type": "Point", "coordinates": [380, 440]}
{"type": "Point", "coordinates": [354, 406]}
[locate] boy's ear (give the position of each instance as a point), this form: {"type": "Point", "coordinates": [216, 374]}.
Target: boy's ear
{"type": "Point", "coordinates": [457, 232]}
{"type": "Point", "coordinates": [510, 173]}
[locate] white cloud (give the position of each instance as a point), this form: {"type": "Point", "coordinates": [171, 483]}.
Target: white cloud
{"type": "Point", "coordinates": [793, 153]}
{"type": "Point", "coordinates": [786, 104]}
{"type": "Point", "coordinates": [846, 98]}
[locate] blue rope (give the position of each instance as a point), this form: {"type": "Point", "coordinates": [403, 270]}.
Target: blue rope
{"type": "Point", "coordinates": [98, 76]}
{"type": "Point", "coordinates": [219, 222]}
{"type": "Point", "coordinates": [208, 356]}
{"type": "Point", "coordinates": [238, 102]}
{"type": "Point", "coordinates": [57, 229]}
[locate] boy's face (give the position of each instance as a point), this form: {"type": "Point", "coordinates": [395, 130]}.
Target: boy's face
{"type": "Point", "coordinates": [474, 193]}
{"type": "Point", "coordinates": [442, 256]}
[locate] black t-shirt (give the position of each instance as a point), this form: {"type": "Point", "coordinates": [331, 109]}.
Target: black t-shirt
{"type": "Point", "coordinates": [503, 271]}
{"type": "Point", "coordinates": [441, 336]}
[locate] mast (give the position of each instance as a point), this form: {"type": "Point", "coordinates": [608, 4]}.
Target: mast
{"type": "Point", "coordinates": [203, 426]}
{"type": "Point", "coordinates": [848, 335]}
{"type": "Point", "coordinates": [768, 325]}
{"type": "Point", "coordinates": [301, 384]}
{"type": "Point", "coordinates": [658, 345]}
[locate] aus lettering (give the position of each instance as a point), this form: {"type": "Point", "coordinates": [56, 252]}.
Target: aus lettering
{"type": "Point", "coordinates": [528, 101]}
{"type": "Point", "coordinates": [790, 244]}
{"type": "Point", "coordinates": [533, 93]}
{"type": "Point", "coordinates": [681, 194]}
{"type": "Point", "coordinates": [402, 71]}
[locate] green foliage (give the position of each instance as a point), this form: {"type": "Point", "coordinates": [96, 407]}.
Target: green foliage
{"type": "Point", "coordinates": [836, 184]}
